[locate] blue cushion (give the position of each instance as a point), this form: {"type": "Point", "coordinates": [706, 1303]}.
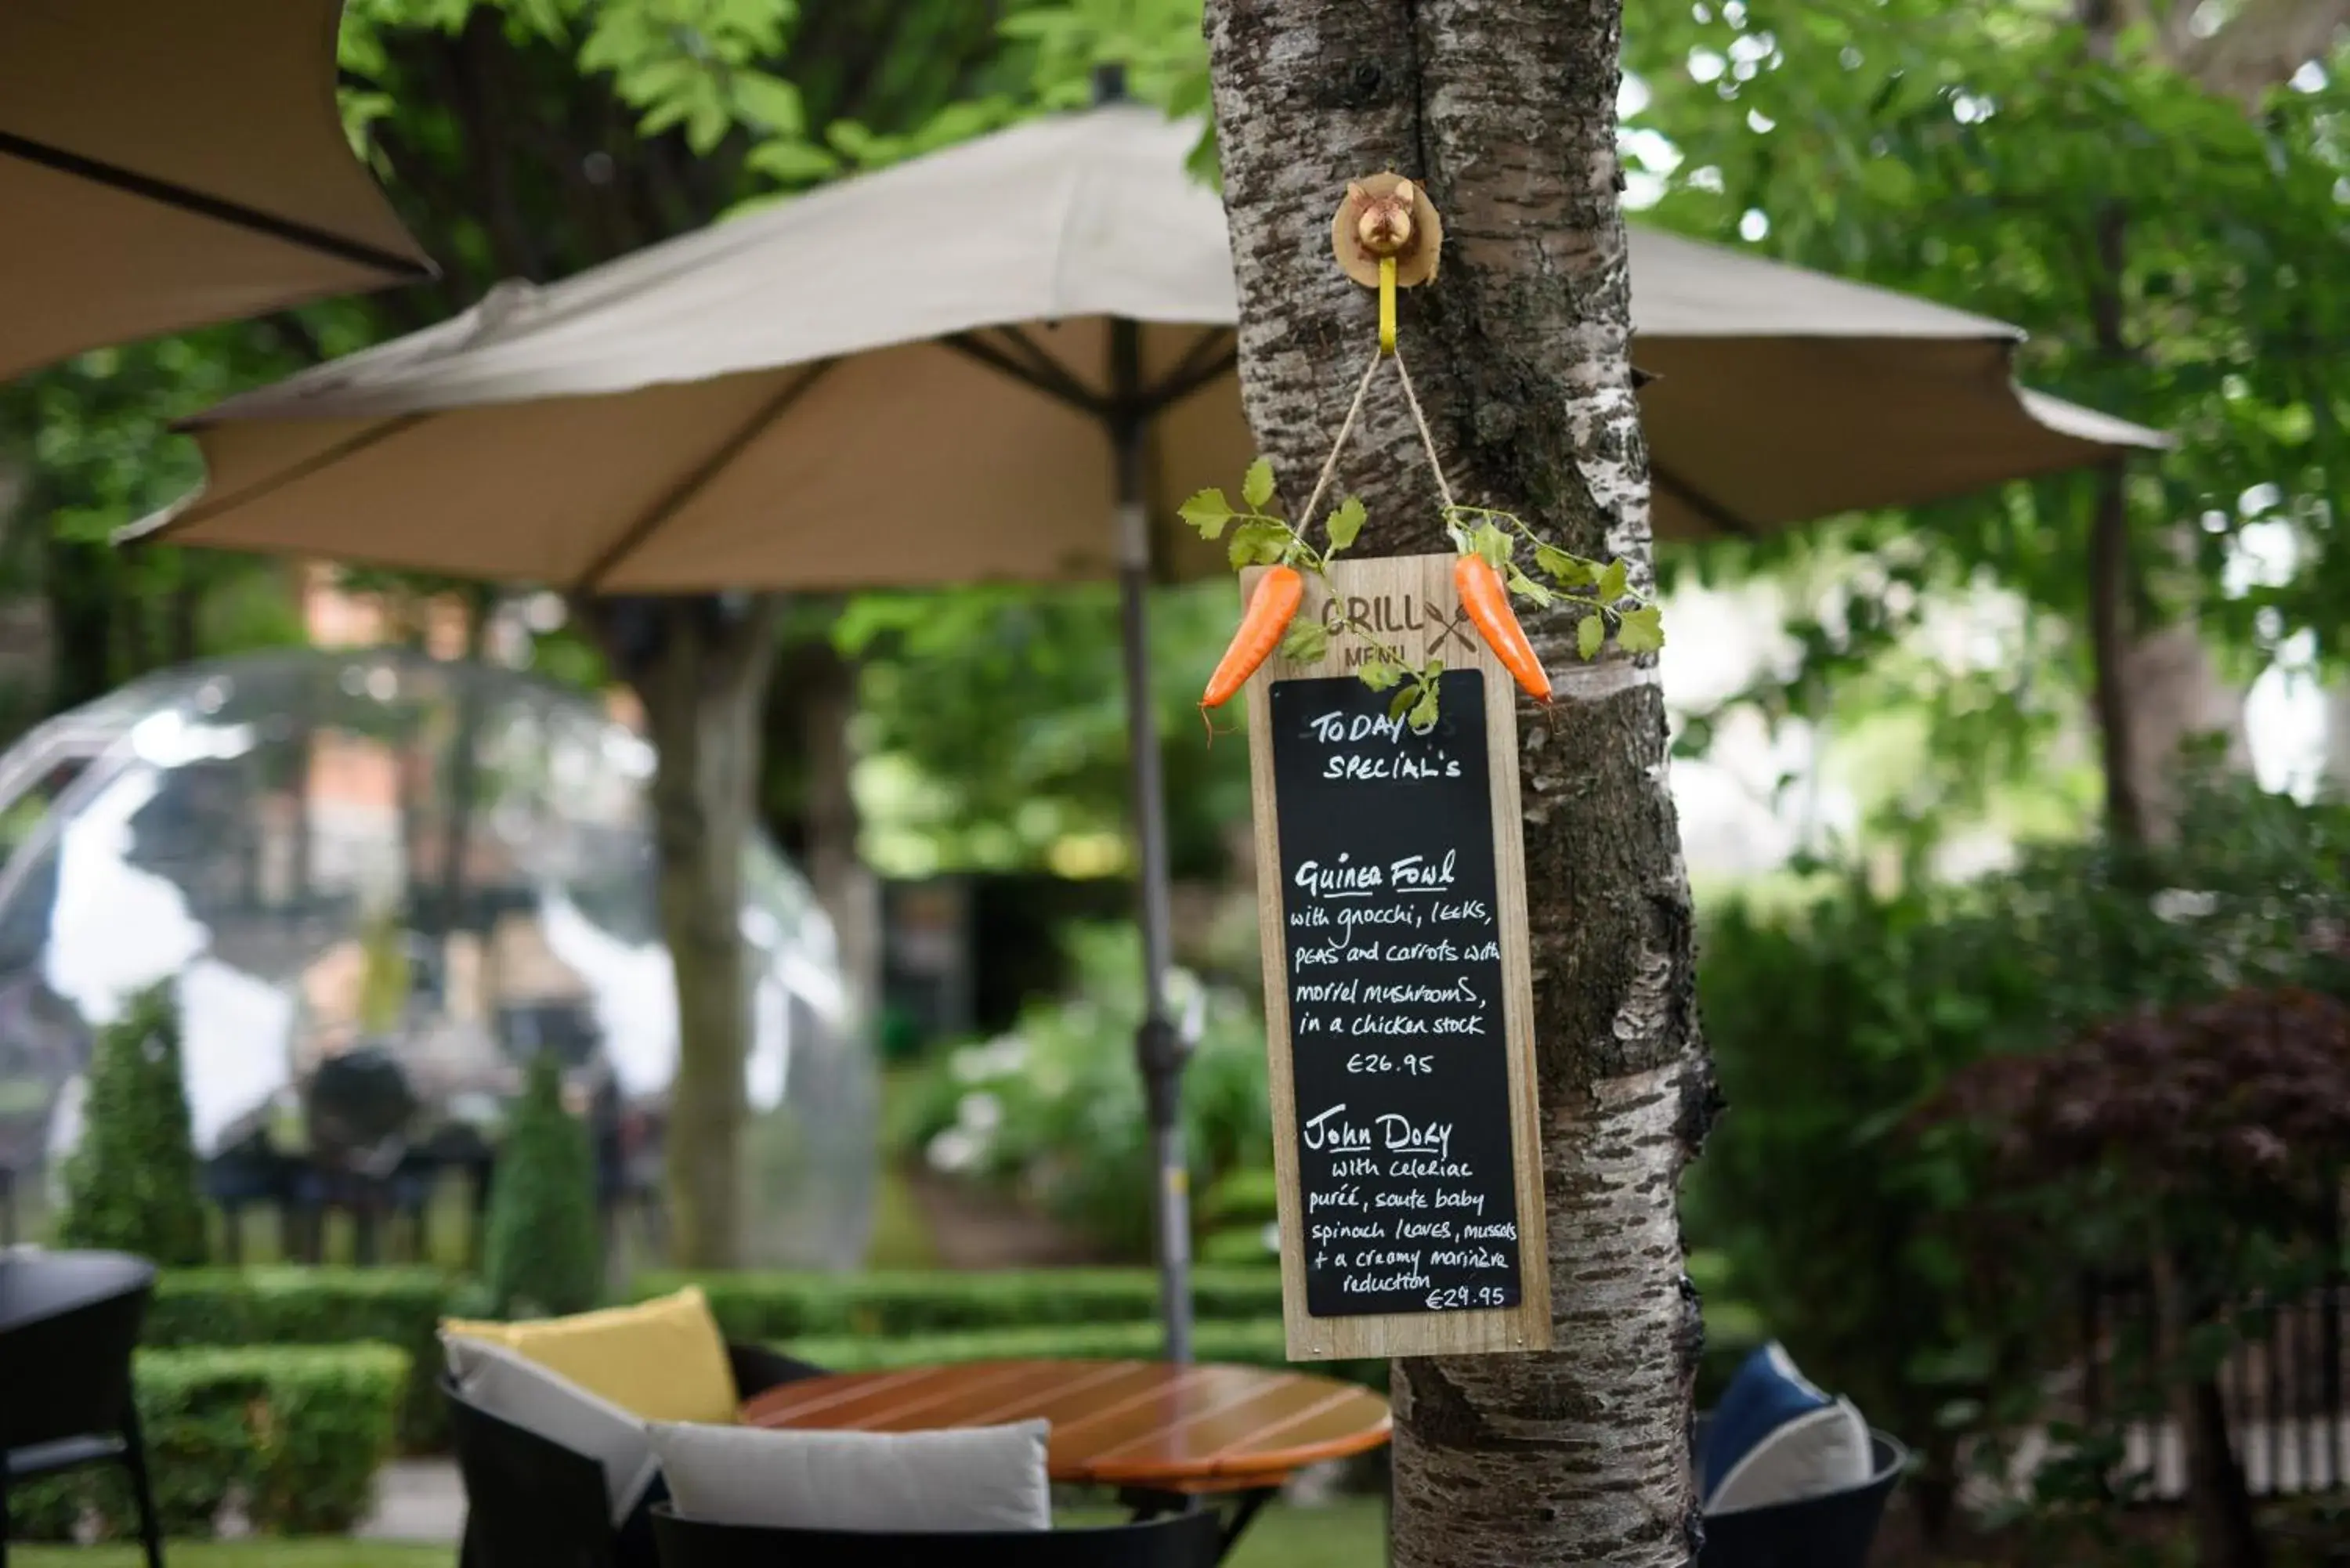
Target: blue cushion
{"type": "Point", "coordinates": [1767, 1394]}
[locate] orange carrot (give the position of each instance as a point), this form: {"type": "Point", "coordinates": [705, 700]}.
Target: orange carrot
{"type": "Point", "coordinates": [1488, 604]}
{"type": "Point", "coordinates": [1269, 610]}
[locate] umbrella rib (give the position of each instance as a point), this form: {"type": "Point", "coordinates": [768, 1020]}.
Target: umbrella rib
{"type": "Point", "coordinates": [1199, 367]}
{"type": "Point", "coordinates": [1048, 377]}
{"type": "Point", "coordinates": [678, 495]}
{"type": "Point", "coordinates": [1046, 365]}
{"type": "Point", "coordinates": [1704, 506]}
{"type": "Point", "coordinates": [202, 510]}
{"type": "Point", "coordinates": [217, 208]}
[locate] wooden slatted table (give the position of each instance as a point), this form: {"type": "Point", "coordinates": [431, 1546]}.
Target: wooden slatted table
{"type": "Point", "coordinates": [1152, 1429]}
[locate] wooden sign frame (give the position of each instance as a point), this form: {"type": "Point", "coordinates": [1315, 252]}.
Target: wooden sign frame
{"type": "Point", "coordinates": [1412, 600]}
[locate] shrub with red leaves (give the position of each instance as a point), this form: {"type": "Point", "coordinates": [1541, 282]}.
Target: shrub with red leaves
{"type": "Point", "coordinates": [2249, 1091]}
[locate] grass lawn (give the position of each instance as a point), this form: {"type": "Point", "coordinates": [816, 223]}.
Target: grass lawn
{"type": "Point", "coordinates": [1348, 1533]}
{"type": "Point", "coordinates": [1351, 1532]}
{"type": "Point", "coordinates": [313, 1553]}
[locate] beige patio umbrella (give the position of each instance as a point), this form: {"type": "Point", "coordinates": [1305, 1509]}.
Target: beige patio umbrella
{"type": "Point", "coordinates": [169, 163]}
{"type": "Point", "coordinates": [711, 411]}
{"type": "Point", "coordinates": [949, 372]}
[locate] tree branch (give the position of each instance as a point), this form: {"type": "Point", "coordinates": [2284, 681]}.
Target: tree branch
{"type": "Point", "coordinates": [474, 73]}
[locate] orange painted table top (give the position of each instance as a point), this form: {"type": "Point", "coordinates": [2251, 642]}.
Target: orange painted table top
{"type": "Point", "coordinates": [1144, 1425]}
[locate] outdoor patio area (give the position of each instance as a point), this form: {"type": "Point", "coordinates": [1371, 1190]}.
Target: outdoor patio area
{"type": "Point", "coordinates": [1174, 784]}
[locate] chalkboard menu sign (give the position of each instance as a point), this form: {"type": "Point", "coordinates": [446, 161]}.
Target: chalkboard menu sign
{"type": "Point", "coordinates": [1397, 1039]}
{"type": "Point", "coordinates": [1391, 887]}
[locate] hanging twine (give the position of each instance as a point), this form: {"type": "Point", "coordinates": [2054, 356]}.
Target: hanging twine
{"type": "Point", "coordinates": [1427, 440]}
{"type": "Point", "coordinates": [1354, 412]}
{"type": "Point", "coordinates": [1346, 429]}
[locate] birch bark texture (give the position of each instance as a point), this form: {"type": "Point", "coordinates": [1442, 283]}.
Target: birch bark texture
{"type": "Point", "coordinates": [1520, 350]}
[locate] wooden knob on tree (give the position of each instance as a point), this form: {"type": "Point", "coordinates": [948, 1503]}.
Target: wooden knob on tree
{"type": "Point", "coordinates": [1387, 216]}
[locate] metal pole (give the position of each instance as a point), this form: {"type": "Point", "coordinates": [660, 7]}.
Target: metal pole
{"type": "Point", "coordinates": [1158, 1048]}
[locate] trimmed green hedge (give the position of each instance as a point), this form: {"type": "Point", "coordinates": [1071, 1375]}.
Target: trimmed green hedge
{"type": "Point", "coordinates": [1256, 1342]}
{"type": "Point", "coordinates": [291, 1305]}
{"type": "Point", "coordinates": [894, 1304]}
{"type": "Point", "coordinates": [296, 1435]}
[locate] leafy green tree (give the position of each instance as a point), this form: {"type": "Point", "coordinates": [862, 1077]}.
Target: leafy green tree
{"type": "Point", "coordinates": [133, 1184]}
{"type": "Point", "coordinates": [544, 1256]}
{"type": "Point", "coordinates": [87, 445]}
{"type": "Point", "coordinates": [2132, 189]}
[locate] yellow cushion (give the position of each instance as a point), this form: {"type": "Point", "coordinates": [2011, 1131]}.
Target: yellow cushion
{"type": "Point", "coordinates": [663, 1359]}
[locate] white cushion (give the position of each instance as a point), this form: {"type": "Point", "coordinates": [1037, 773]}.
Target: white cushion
{"type": "Point", "coordinates": [513, 1387]}
{"type": "Point", "coordinates": [1821, 1451]}
{"type": "Point", "coordinates": [976, 1479]}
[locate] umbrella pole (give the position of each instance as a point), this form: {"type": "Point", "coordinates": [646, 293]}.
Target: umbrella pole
{"type": "Point", "coordinates": [1158, 1048]}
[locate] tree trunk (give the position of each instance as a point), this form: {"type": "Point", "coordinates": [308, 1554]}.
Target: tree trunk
{"type": "Point", "coordinates": [2142, 754]}
{"type": "Point", "coordinates": [2219, 1504]}
{"type": "Point", "coordinates": [2109, 641]}
{"type": "Point", "coordinates": [1521, 353]}
{"type": "Point", "coordinates": [2167, 690]}
{"type": "Point", "coordinates": [844, 884]}
{"type": "Point", "coordinates": [462, 782]}
{"type": "Point", "coordinates": [703, 681]}
{"type": "Point", "coordinates": [2179, 703]}
{"type": "Point", "coordinates": [82, 606]}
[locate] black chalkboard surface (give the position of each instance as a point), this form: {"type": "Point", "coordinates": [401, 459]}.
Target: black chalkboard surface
{"type": "Point", "coordinates": [1399, 1047]}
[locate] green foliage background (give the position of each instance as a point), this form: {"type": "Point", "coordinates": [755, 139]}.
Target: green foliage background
{"type": "Point", "coordinates": [1857, 1236]}
{"type": "Point", "coordinates": [1053, 1111]}
{"type": "Point", "coordinates": [2171, 250]}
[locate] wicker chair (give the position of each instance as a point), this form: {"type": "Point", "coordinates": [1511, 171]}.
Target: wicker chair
{"type": "Point", "coordinates": [530, 1502]}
